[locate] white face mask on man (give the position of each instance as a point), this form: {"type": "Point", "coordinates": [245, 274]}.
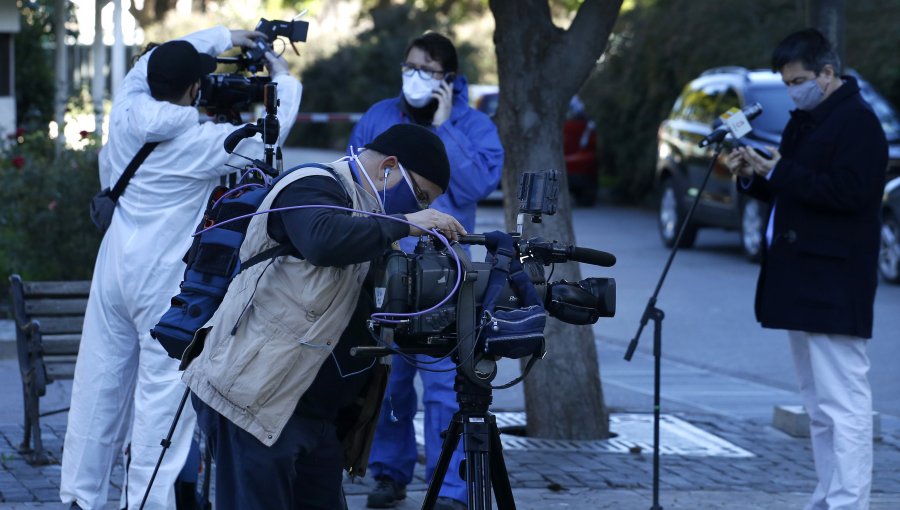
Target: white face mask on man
{"type": "Point", "coordinates": [806, 95]}
{"type": "Point", "coordinates": [417, 90]}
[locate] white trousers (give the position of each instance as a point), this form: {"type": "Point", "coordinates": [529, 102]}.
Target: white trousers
{"type": "Point", "coordinates": [125, 387]}
{"type": "Point", "coordinates": [832, 372]}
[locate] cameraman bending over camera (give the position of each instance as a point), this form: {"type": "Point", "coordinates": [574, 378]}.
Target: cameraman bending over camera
{"type": "Point", "coordinates": [283, 404]}
{"type": "Point", "coordinates": [125, 384]}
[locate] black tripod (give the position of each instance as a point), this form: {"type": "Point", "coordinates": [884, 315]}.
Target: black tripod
{"type": "Point", "coordinates": [484, 464]}
{"type": "Point", "coordinates": [652, 312]}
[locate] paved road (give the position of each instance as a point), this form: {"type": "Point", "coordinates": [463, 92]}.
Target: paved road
{"type": "Point", "coordinates": [708, 301]}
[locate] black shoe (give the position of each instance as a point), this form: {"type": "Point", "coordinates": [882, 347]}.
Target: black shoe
{"type": "Point", "coordinates": [449, 504]}
{"type": "Point", "coordinates": [386, 493]}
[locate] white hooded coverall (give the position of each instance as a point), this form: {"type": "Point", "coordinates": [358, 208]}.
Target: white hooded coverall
{"type": "Point", "coordinates": [125, 384]}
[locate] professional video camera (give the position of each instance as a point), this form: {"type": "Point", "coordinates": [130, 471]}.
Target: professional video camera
{"type": "Point", "coordinates": [422, 282]}
{"type": "Point", "coordinates": [225, 96]}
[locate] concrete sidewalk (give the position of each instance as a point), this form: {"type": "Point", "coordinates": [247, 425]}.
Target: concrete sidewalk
{"type": "Point", "coordinates": [711, 459]}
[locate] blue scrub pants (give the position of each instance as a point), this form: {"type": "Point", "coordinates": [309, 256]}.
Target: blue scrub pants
{"type": "Point", "coordinates": [394, 450]}
{"type": "Point", "coordinates": [302, 470]}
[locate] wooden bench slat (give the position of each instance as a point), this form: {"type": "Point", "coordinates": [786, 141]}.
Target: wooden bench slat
{"type": "Point", "coordinates": [36, 289]}
{"type": "Point", "coordinates": [61, 368]}
{"type": "Point", "coordinates": [57, 306]}
{"type": "Point", "coordinates": [52, 325]}
{"type": "Point", "coordinates": [56, 345]}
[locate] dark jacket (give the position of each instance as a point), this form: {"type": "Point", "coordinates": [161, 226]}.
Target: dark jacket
{"type": "Point", "coordinates": [820, 272]}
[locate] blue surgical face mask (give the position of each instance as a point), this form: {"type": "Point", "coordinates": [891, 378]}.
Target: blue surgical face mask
{"type": "Point", "coordinates": [400, 198]}
{"type": "Point", "coordinates": [806, 95]}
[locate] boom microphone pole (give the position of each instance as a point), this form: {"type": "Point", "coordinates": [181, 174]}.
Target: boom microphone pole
{"type": "Point", "coordinates": [737, 123]}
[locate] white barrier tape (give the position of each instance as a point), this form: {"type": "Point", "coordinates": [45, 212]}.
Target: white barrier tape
{"type": "Point", "coordinates": [318, 117]}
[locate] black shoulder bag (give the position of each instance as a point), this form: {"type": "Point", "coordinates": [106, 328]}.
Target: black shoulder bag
{"type": "Point", "coordinates": [103, 204]}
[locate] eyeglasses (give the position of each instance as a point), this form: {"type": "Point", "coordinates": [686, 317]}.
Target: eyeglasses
{"type": "Point", "coordinates": [408, 70]}
{"type": "Point", "coordinates": [421, 197]}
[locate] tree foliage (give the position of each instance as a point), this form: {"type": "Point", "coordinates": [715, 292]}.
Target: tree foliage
{"type": "Point", "coordinates": [658, 47]}
{"type": "Point", "coordinates": [34, 64]}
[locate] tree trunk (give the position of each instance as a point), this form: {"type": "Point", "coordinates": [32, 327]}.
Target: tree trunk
{"type": "Point", "coordinates": [541, 67]}
{"type": "Point", "coordinates": [828, 16]}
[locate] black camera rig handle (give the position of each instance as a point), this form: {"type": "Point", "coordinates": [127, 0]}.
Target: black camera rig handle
{"type": "Point", "coordinates": [550, 252]}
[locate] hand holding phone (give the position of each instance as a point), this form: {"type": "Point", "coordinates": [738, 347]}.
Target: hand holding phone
{"type": "Point", "coordinates": [759, 149]}
{"type": "Point", "coordinates": [444, 95]}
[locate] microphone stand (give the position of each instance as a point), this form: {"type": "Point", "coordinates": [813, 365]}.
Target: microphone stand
{"type": "Point", "coordinates": [652, 312]}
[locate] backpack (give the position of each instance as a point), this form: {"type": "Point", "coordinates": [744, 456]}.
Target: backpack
{"type": "Point", "coordinates": [214, 260]}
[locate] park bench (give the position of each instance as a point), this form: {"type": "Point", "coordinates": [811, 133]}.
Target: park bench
{"type": "Point", "coordinates": [49, 317]}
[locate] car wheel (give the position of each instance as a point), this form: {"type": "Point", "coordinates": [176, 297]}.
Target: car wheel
{"type": "Point", "coordinates": [889, 255]}
{"type": "Point", "coordinates": [671, 216]}
{"type": "Point", "coordinates": [752, 233]}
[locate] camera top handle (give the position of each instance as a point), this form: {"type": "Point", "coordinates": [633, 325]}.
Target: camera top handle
{"type": "Point", "coordinates": [551, 252]}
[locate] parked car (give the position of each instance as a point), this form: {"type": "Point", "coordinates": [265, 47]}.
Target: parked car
{"type": "Point", "coordinates": [579, 147]}
{"type": "Point", "coordinates": [682, 165]}
{"type": "Point", "coordinates": [889, 256]}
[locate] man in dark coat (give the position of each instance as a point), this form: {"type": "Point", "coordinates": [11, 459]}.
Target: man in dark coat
{"type": "Point", "coordinates": [819, 269]}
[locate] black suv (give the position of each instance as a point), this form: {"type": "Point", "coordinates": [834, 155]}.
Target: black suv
{"type": "Point", "coordinates": [682, 165]}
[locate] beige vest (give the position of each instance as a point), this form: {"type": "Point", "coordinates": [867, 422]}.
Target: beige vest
{"type": "Point", "coordinates": [277, 324]}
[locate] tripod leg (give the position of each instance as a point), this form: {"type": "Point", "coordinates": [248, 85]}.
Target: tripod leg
{"type": "Point", "coordinates": [476, 444]}
{"type": "Point", "coordinates": [165, 443]}
{"type": "Point", "coordinates": [451, 440]}
{"type": "Point", "coordinates": [499, 475]}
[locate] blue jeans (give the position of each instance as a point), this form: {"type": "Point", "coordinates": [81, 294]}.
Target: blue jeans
{"type": "Point", "coordinates": [302, 470]}
{"type": "Point", "coordinates": [394, 450]}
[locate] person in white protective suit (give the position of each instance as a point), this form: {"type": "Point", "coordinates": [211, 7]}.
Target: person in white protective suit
{"type": "Point", "coordinates": [125, 384]}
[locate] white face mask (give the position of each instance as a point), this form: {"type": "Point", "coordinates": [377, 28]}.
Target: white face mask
{"type": "Point", "coordinates": [807, 95]}
{"type": "Point", "coordinates": [417, 90]}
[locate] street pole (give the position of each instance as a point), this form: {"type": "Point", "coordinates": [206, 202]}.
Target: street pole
{"type": "Point", "coordinates": [118, 51]}
{"type": "Point", "coordinates": [98, 82]}
{"type": "Point", "coordinates": [62, 73]}
{"type": "Point", "coordinates": [829, 17]}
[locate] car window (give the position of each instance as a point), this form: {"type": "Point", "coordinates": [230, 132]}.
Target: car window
{"type": "Point", "coordinates": [701, 103]}
{"type": "Point", "coordinates": [776, 104]}
{"type": "Point", "coordinates": [729, 100]}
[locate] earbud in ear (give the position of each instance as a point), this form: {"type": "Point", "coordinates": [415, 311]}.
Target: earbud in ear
{"type": "Point", "coordinates": [387, 170]}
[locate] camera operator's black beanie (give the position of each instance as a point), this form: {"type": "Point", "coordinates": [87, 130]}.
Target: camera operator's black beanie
{"type": "Point", "coordinates": [174, 66]}
{"type": "Point", "coordinates": [418, 149]}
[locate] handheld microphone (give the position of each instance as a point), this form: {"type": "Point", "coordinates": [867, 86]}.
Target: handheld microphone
{"type": "Point", "coordinates": [734, 121]}
{"type": "Point", "coordinates": [591, 256]}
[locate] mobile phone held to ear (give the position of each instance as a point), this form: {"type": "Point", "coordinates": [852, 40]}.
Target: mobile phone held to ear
{"type": "Point", "coordinates": [449, 77]}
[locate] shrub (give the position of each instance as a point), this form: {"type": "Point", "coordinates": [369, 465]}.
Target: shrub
{"type": "Point", "coordinates": [45, 229]}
